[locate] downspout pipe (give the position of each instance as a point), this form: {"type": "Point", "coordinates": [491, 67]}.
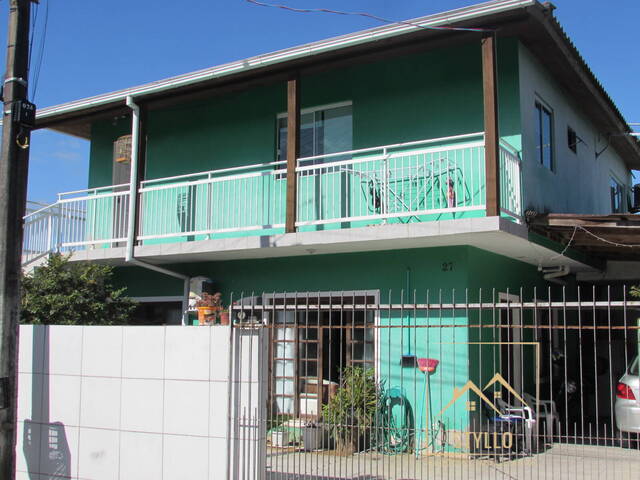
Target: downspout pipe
{"type": "Point", "coordinates": [554, 274]}
{"type": "Point", "coordinates": [133, 210]}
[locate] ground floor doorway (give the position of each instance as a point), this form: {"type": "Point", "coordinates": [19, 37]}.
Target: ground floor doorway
{"type": "Point", "coordinates": [310, 348]}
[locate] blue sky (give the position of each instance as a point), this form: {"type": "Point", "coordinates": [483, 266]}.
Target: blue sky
{"type": "Point", "coordinates": [97, 46]}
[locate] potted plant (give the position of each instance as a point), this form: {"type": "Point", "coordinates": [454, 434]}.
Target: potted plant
{"type": "Point", "coordinates": [350, 414]}
{"type": "Point", "coordinates": [279, 437]}
{"type": "Point", "coordinates": [313, 436]}
{"type": "Point", "coordinates": [209, 307]}
{"type": "Point", "coordinates": [224, 316]}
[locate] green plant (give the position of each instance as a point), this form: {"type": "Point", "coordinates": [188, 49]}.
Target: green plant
{"type": "Point", "coordinates": [351, 412]}
{"type": "Point", "coordinates": [635, 291]}
{"type": "Point", "coordinates": [73, 293]}
{"type": "Point", "coordinates": [209, 300]}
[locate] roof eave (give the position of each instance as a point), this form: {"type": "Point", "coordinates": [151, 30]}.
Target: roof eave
{"type": "Point", "coordinates": [54, 117]}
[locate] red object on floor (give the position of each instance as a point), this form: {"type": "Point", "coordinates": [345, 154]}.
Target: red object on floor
{"type": "Point", "coordinates": [427, 365]}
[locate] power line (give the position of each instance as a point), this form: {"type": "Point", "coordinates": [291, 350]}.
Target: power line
{"type": "Point", "coordinates": [366, 15]}
{"type": "Point", "coordinates": [34, 21]}
{"type": "Point", "coordinates": [43, 39]}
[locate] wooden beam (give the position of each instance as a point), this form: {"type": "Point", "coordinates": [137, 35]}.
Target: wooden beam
{"type": "Point", "coordinates": [293, 150]}
{"type": "Point", "coordinates": [491, 134]}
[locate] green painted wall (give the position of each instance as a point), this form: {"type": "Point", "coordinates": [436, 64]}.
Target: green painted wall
{"type": "Point", "coordinates": [413, 97]}
{"type": "Point", "coordinates": [427, 95]}
{"type": "Point", "coordinates": [103, 134]}
{"type": "Point", "coordinates": [495, 274]}
{"type": "Point", "coordinates": [141, 282]}
{"type": "Point", "coordinates": [446, 272]}
{"type": "Point", "coordinates": [221, 132]}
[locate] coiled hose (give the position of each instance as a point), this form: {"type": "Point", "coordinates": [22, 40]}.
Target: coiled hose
{"type": "Point", "coordinates": [395, 423]}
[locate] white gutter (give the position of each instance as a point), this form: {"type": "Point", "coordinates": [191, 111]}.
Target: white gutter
{"type": "Point", "coordinates": [133, 176]}
{"type": "Point", "coordinates": [552, 274]}
{"type": "Point", "coordinates": [133, 209]}
{"type": "Point", "coordinates": [282, 56]}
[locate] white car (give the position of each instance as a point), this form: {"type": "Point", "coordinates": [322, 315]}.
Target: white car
{"type": "Point", "coordinates": [628, 400]}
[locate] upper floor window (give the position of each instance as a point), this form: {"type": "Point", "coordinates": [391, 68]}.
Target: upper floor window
{"type": "Point", "coordinates": [572, 140]}
{"type": "Point", "coordinates": [323, 130]}
{"type": "Point", "coordinates": [544, 135]}
{"type": "Point", "coordinates": [617, 196]}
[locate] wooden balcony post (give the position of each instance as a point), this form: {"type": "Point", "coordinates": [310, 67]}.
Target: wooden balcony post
{"type": "Point", "coordinates": [293, 150]}
{"type": "Point", "coordinates": [491, 133]}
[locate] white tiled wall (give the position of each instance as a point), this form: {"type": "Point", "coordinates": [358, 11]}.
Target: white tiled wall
{"type": "Point", "coordinates": [135, 402]}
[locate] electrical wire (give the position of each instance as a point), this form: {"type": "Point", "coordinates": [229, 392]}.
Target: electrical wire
{"type": "Point", "coordinates": [597, 237]}
{"type": "Point", "coordinates": [43, 40]}
{"type": "Point", "coordinates": [34, 22]}
{"type": "Point", "coordinates": [628, 245]}
{"type": "Point", "coordinates": [366, 15]}
{"type": "Point", "coordinates": [575, 229]}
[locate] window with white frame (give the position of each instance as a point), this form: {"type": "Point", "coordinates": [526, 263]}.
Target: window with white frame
{"type": "Point", "coordinates": [323, 130]}
{"type": "Point", "coordinates": [617, 195]}
{"type": "Point", "coordinates": [544, 135]}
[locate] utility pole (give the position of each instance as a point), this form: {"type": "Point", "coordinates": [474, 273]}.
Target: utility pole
{"type": "Point", "coordinates": [17, 117]}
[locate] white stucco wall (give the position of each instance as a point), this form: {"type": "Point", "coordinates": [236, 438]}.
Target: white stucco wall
{"type": "Point", "coordinates": [136, 402]}
{"type": "Point", "coordinates": [579, 182]}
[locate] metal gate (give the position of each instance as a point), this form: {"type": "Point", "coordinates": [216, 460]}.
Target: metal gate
{"type": "Point", "coordinates": [385, 385]}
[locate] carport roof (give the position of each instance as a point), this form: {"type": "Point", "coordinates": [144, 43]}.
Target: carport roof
{"type": "Point", "coordinates": [608, 237]}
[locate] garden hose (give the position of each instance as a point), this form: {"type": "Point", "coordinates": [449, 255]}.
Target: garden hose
{"type": "Point", "coordinates": [395, 423]}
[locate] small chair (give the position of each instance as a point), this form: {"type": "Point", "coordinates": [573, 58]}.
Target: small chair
{"type": "Point", "coordinates": [523, 415]}
{"type": "Point", "coordinates": [547, 409]}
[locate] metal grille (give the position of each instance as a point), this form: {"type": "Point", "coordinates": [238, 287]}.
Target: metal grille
{"type": "Point", "coordinates": [364, 384]}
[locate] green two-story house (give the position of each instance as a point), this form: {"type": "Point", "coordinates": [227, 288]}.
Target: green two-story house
{"type": "Point", "coordinates": [398, 159]}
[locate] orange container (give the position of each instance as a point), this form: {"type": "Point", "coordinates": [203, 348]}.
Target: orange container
{"type": "Point", "coordinates": [206, 315]}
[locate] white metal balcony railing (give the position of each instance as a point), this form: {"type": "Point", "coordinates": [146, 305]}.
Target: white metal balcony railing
{"type": "Point", "coordinates": [237, 199]}
{"type": "Point", "coordinates": [79, 219]}
{"type": "Point", "coordinates": [510, 181]}
{"type": "Point", "coordinates": [416, 181]}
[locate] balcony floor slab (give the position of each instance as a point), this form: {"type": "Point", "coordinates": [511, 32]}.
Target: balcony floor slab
{"type": "Point", "coordinates": [494, 234]}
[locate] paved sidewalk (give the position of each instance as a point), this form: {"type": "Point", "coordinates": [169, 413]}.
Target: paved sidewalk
{"type": "Point", "coordinates": [557, 463]}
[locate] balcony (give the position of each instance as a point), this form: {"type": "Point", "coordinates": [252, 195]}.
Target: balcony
{"type": "Point", "coordinates": [420, 181]}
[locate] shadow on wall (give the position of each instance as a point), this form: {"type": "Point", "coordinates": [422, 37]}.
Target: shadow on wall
{"type": "Point", "coordinates": [51, 440]}
{"type": "Point", "coordinates": [44, 443]}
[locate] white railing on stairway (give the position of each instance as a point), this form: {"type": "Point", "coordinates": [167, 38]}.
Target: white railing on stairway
{"type": "Point", "coordinates": [410, 182]}
{"type": "Point", "coordinates": [93, 217]}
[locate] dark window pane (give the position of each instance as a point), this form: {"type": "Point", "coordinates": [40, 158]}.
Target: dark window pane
{"type": "Point", "coordinates": [547, 139]}
{"type": "Point", "coordinates": [572, 140]}
{"type": "Point", "coordinates": [308, 350]}
{"type": "Point", "coordinates": [308, 334]}
{"type": "Point", "coordinates": [357, 351]}
{"type": "Point", "coordinates": [307, 135]}
{"type": "Point", "coordinates": [538, 133]}
{"type": "Point", "coordinates": [616, 196]}
{"type": "Point", "coordinates": [321, 132]}
{"type": "Point", "coordinates": [282, 139]}
{"type": "Point", "coordinates": [335, 133]}
{"type": "Point", "coordinates": [308, 369]}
